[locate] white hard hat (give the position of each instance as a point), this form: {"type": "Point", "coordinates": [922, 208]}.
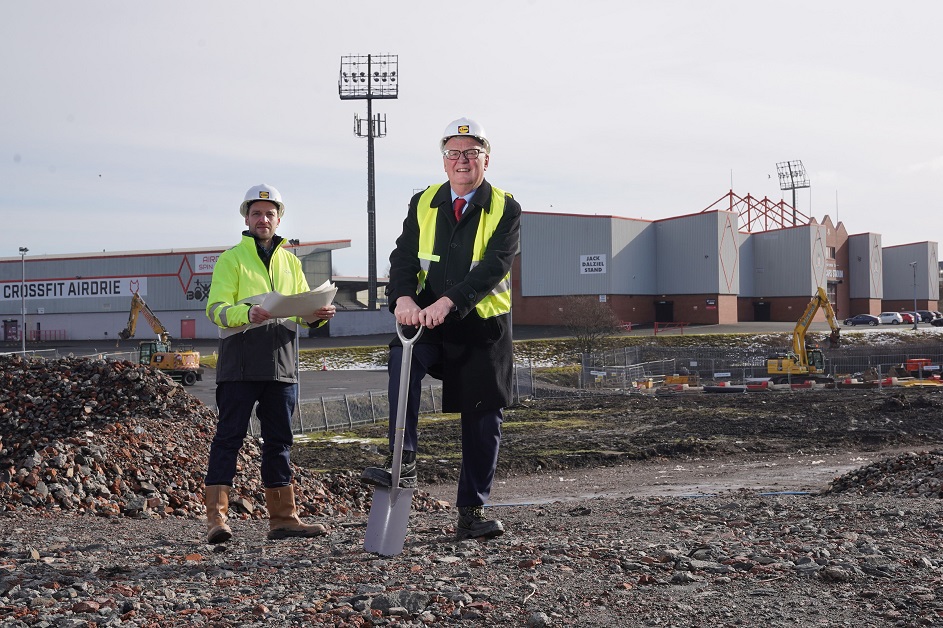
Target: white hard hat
{"type": "Point", "coordinates": [465, 126]}
{"type": "Point", "coordinates": [262, 192]}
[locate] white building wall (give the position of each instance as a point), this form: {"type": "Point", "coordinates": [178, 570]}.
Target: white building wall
{"type": "Point", "coordinates": [698, 254]}
{"type": "Point", "coordinates": [553, 249]}
{"type": "Point", "coordinates": [633, 246]}
{"type": "Point", "coordinates": [789, 262]}
{"type": "Point", "coordinates": [903, 280]}
{"type": "Point", "coordinates": [865, 266]}
{"type": "Point", "coordinates": [747, 265]}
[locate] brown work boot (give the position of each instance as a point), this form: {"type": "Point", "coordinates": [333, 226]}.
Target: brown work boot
{"type": "Point", "coordinates": [216, 500]}
{"type": "Point", "coordinates": [283, 517]}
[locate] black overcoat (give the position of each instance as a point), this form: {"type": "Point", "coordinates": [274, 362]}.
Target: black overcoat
{"type": "Point", "coordinates": [478, 361]}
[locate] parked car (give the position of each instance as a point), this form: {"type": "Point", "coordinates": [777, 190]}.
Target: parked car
{"type": "Point", "coordinates": [926, 315]}
{"type": "Point", "coordinates": [909, 317]}
{"type": "Point", "coordinates": [937, 322]}
{"type": "Point", "coordinates": [891, 318]}
{"type": "Point", "coordinates": [863, 319]}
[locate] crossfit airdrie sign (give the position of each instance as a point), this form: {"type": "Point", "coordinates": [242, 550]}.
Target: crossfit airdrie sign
{"type": "Point", "coordinates": [100, 287]}
{"type": "Point", "coordinates": [593, 264]}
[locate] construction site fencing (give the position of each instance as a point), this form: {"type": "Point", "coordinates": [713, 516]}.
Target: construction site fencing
{"type": "Point", "coordinates": [860, 360]}
{"type": "Point", "coordinates": [625, 368]}
{"type": "Point", "coordinates": [95, 354]}
{"type": "Point", "coordinates": [338, 413]}
{"type": "Point", "coordinates": [615, 371]}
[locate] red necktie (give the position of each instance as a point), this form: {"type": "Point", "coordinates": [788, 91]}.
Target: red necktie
{"type": "Point", "coordinates": [457, 206]}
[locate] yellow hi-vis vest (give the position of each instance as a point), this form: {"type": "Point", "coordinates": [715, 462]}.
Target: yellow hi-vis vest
{"type": "Point", "coordinates": [496, 302]}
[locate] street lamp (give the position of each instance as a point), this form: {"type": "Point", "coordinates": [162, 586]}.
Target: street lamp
{"type": "Point", "coordinates": [365, 77]}
{"type": "Point", "coordinates": [23, 252]}
{"type": "Point", "coordinates": [914, 266]}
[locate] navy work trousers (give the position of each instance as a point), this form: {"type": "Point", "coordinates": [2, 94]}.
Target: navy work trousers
{"type": "Point", "coordinates": [481, 430]}
{"type": "Point", "coordinates": [235, 401]}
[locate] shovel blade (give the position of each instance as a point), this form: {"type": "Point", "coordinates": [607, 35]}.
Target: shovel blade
{"type": "Point", "coordinates": [389, 516]}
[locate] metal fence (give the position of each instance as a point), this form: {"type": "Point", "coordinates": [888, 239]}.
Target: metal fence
{"type": "Point", "coordinates": [621, 369]}
{"type": "Point", "coordinates": [603, 373]}
{"type": "Point", "coordinates": [338, 413]}
{"type": "Point", "coordinates": [342, 412]}
{"type": "Point", "coordinates": [55, 354]}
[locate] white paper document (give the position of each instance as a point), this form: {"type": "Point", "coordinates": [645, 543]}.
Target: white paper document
{"type": "Point", "coordinates": [304, 304]}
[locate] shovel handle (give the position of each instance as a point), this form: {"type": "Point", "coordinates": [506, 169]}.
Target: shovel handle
{"type": "Point", "coordinates": [401, 402]}
{"type": "Point", "coordinates": [402, 337]}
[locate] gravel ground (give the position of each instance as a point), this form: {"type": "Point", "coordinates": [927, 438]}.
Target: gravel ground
{"type": "Point", "coordinates": [739, 559]}
{"type": "Point", "coordinates": [101, 525]}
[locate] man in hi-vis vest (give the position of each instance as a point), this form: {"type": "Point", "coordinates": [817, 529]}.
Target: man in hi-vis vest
{"type": "Point", "coordinates": [450, 273]}
{"type": "Point", "coordinates": [257, 367]}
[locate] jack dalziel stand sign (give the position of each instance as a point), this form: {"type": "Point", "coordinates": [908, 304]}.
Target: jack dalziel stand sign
{"type": "Point", "coordinates": [592, 264]}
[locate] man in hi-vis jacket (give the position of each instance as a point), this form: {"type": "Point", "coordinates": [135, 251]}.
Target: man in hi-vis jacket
{"type": "Point", "coordinates": [256, 365]}
{"type": "Point", "coordinates": [450, 273]}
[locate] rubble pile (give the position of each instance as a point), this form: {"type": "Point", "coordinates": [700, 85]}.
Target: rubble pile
{"type": "Point", "coordinates": [906, 475]}
{"type": "Point", "coordinates": [89, 436]}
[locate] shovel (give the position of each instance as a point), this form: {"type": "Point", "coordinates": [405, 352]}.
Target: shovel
{"type": "Point", "coordinates": [389, 512]}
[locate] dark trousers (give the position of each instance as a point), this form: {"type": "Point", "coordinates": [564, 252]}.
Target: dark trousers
{"type": "Point", "coordinates": [235, 401]}
{"type": "Point", "coordinates": [481, 430]}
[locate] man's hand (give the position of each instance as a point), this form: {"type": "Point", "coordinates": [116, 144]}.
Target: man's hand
{"type": "Point", "coordinates": [406, 312]}
{"type": "Point", "coordinates": [258, 315]}
{"type": "Point", "coordinates": [435, 314]}
{"type": "Point", "coordinates": [326, 313]}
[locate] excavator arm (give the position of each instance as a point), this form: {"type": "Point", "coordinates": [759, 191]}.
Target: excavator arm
{"type": "Point", "coordinates": [834, 338]}
{"type": "Point", "coordinates": [139, 307]}
{"type": "Point", "coordinates": [805, 362]}
{"type": "Point", "coordinates": [819, 300]}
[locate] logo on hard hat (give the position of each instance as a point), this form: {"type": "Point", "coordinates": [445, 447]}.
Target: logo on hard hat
{"type": "Point", "coordinates": [463, 128]}
{"type": "Point", "coordinates": [263, 194]}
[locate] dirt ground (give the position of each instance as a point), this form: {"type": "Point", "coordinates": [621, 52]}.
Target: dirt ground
{"type": "Point", "coordinates": [678, 444]}
{"type": "Point", "coordinates": [594, 493]}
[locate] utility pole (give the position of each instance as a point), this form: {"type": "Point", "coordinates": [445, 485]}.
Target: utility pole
{"type": "Point", "coordinates": [23, 252]}
{"type": "Point", "coordinates": [914, 266]}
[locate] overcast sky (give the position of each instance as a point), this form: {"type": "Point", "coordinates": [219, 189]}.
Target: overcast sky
{"type": "Point", "coordinates": [140, 125]}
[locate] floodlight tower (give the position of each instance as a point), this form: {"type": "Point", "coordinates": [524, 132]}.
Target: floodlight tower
{"type": "Point", "coordinates": [365, 77]}
{"type": "Point", "coordinates": [792, 176]}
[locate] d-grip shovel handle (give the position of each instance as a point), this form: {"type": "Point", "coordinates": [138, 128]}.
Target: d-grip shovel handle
{"type": "Point", "coordinates": [402, 337]}
{"type": "Point", "coordinates": [401, 402]}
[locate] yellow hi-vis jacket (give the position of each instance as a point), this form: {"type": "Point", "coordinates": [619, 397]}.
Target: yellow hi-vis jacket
{"type": "Point", "coordinates": [498, 301]}
{"type": "Point", "coordinates": [247, 351]}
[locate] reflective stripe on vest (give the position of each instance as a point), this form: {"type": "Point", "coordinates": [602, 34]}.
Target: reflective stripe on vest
{"type": "Point", "coordinates": [496, 302]}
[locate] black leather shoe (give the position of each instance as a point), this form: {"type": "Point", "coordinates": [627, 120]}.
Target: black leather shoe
{"type": "Point", "coordinates": [473, 525]}
{"type": "Point", "coordinates": [377, 476]}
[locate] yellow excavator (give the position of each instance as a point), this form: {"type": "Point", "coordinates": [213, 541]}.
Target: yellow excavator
{"type": "Point", "coordinates": [806, 361]}
{"type": "Point", "coordinates": [182, 365]}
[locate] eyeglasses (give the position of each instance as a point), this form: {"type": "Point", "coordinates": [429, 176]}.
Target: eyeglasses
{"type": "Point", "coordinates": [470, 153]}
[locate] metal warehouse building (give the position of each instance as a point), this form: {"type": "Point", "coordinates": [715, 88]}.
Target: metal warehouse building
{"type": "Point", "coordinates": [740, 259]}
{"type": "Point", "coordinates": [88, 296]}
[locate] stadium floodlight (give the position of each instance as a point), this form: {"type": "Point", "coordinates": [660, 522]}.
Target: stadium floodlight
{"type": "Point", "coordinates": [365, 77]}
{"type": "Point", "coordinates": [792, 176]}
